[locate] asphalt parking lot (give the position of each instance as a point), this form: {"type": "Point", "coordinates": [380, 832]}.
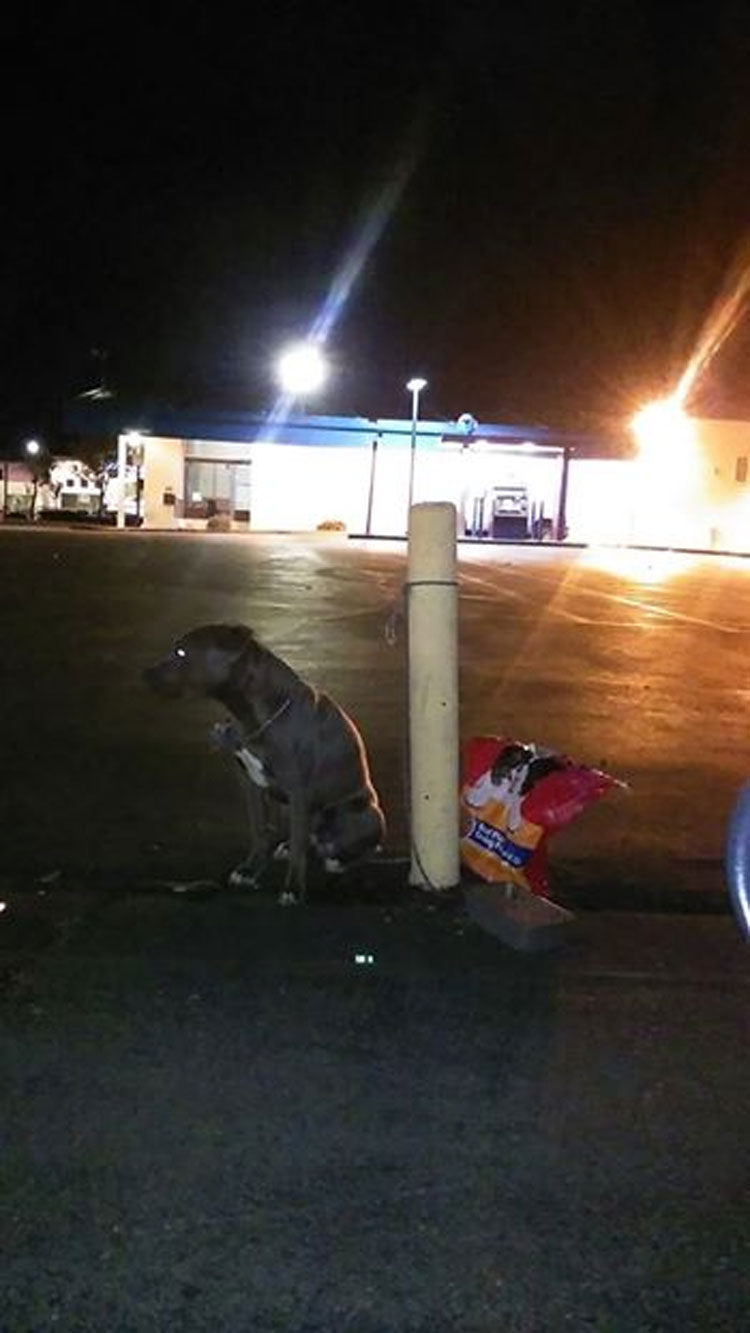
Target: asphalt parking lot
{"type": "Point", "coordinates": [368, 1114]}
{"type": "Point", "coordinates": [632, 660]}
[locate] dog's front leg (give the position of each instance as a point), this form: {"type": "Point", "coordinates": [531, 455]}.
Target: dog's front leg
{"type": "Point", "coordinates": [295, 885]}
{"type": "Point", "coordinates": [249, 872]}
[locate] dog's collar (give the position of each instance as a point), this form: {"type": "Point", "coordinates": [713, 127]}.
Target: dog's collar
{"type": "Point", "coordinates": [269, 720]}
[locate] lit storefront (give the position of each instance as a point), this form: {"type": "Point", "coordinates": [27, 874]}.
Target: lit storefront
{"type": "Point", "coordinates": [228, 471]}
{"type": "Point", "coordinates": [350, 473]}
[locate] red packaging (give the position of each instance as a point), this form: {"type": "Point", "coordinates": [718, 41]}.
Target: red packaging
{"type": "Point", "coordinates": [513, 795]}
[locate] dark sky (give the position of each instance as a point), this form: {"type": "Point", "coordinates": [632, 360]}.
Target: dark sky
{"type": "Point", "coordinates": [180, 186]}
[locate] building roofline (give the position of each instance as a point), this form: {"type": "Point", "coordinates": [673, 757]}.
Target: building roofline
{"type": "Point", "coordinates": [112, 418]}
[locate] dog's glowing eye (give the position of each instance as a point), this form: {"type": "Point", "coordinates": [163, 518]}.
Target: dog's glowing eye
{"type": "Point", "coordinates": [180, 652]}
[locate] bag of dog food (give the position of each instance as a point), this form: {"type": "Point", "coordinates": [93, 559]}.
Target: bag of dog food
{"type": "Point", "coordinates": [513, 796]}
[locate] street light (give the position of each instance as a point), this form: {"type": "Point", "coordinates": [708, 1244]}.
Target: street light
{"type": "Point", "coordinates": [669, 463]}
{"type": "Point", "coordinates": [415, 387]}
{"type": "Point", "coordinates": [301, 369]}
{"type": "Point", "coordinates": [33, 448]}
{"type": "Point", "coordinates": [662, 425]}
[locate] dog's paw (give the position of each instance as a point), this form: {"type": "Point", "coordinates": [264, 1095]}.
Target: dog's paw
{"type": "Point", "coordinates": [288, 899]}
{"type": "Point", "coordinates": [246, 877]}
{"type": "Point", "coordinates": [334, 866]}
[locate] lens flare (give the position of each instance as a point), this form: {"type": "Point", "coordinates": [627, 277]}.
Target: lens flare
{"type": "Point", "coordinates": [720, 323]}
{"type": "Point", "coordinates": [367, 234]}
{"type": "Point", "coordinates": [661, 428]}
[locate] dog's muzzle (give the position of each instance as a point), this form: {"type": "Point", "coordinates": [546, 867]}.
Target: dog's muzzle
{"type": "Point", "coordinates": [166, 679]}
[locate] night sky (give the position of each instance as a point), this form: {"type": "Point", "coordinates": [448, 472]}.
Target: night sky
{"type": "Point", "coordinates": [180, 190]}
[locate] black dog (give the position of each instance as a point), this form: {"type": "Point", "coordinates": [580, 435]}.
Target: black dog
{"type": "Point", "coordinates": [294, 743]}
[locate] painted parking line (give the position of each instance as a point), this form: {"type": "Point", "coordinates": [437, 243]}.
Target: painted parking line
{"type": "Point", "coordinates": [648, 608]}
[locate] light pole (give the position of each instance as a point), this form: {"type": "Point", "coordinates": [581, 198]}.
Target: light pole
{"type": "Point", "coordinates": [415, 387]}
{"type": "Point", "coordinates": [33, 449]}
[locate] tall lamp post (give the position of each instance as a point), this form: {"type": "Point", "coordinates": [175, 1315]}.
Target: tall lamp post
{"type": "Point", "coordinates": [33, 450]}
{"type": "Point", "coordinates": [415, 387]}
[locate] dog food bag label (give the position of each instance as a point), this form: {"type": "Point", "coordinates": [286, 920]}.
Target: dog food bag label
{"type": "Point", "coordinates": [513, 795]}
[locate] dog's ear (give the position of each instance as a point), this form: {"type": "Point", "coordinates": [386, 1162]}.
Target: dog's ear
{"type": "Point", "coordinates": [240, 644]}
{"type": "Point", "coordinates": [234, 640]}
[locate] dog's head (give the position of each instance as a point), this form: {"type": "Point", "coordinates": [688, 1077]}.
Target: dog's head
{"type": "Point", "coordinates": [206, 661]}
{"type": "Point", "coordinates": [509, 760]}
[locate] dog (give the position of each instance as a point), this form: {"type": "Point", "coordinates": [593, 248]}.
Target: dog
{"type": "Point", "coordinates": [295, 745]}
{"type": "Point", "coordinates": [515, 771]}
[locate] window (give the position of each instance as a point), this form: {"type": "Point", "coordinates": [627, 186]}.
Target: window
{"type": "Point", "coordinates": [740, 471]}
{"type": "Point", "coordinates": [218, 487]}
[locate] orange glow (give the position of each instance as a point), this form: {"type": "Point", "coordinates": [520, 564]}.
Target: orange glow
{"type": "Point", "coordinates": [662, 427]}
{"type": "Point", "coordinates": [646, 568]}
{"type": "Point", "coordinates": [723, 317]}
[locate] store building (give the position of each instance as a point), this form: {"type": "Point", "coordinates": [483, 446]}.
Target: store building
{"type": "Point", "coordinates": [309, 472]}
{"type": "Point", "coordinates": [186, 470]}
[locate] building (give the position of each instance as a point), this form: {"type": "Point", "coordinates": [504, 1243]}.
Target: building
{"type": "Point", "coordinates": [691, 492]}
{"type": "Point", "coordinates": [235, 470]}
{"type": "Point", "coordinates": [312, 471]}
{"type": "Point", "coordinates": [19, 491]}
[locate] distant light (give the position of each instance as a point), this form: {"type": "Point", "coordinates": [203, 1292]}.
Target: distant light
{"type": "Point", "coordinates": [662, 426]}
{"type": "Point", "coordinates": [467, 423]}
{"type": "Point", "coordinates": [33, 447]}
{"type": "Point", "coordinates": [302, 369]}
{"type": "Point", "coordinates": [416, 385]}
{"type": "Point", "coordinates": [364, 959]}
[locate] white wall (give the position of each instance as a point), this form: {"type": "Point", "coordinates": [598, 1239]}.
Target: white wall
{"type": "Point", "coordinates": [726, 501]}
{"type": "Point", "coordinates": [297, 487]}
{"type": "Point", "coordinates": [163, 473]}
{"type": "Point", "coordinates": [602, 500]}
{"type": "Point", "coordinates": [687, 498]}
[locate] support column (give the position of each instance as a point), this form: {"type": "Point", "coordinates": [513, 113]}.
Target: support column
{"type": "Point", "coordinates": [371, 490]}
{"type": "Point", "coordinates": [122, 463]}
{"type": "Point", "coordinates": [561, 522]}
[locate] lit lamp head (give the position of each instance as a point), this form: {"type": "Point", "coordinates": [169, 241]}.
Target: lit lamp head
{"type": "Point", "coordinates": [416, 384]}
{"type": "Point", "coordinates": [302, 369]}
{"type": "Point", "coordinates": [664, 433]}
{"type": "Point", "coordinates": [33, 448]}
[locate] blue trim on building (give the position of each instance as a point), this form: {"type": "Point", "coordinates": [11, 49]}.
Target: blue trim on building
{"type": "Point", "coordinates": [333, 431]}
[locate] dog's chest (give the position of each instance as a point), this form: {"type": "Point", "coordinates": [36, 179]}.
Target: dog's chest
{"type": "Point", "coordinates": [254, 766]}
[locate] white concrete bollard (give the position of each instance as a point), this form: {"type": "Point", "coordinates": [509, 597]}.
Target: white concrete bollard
{"type": "Point", "coordinates": [432, 613]}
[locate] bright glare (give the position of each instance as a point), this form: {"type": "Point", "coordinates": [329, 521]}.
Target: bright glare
{"type": "Point", "coordinates": [33, 447]}
{"type": "Point", "coordinates": [647, 568]}
{"type": "Point", "coordinates": [302, 369]}
{"type": "Point", "coordinates": [662, 426]}
{"type": "Point", "coordinates": [416, 385]}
